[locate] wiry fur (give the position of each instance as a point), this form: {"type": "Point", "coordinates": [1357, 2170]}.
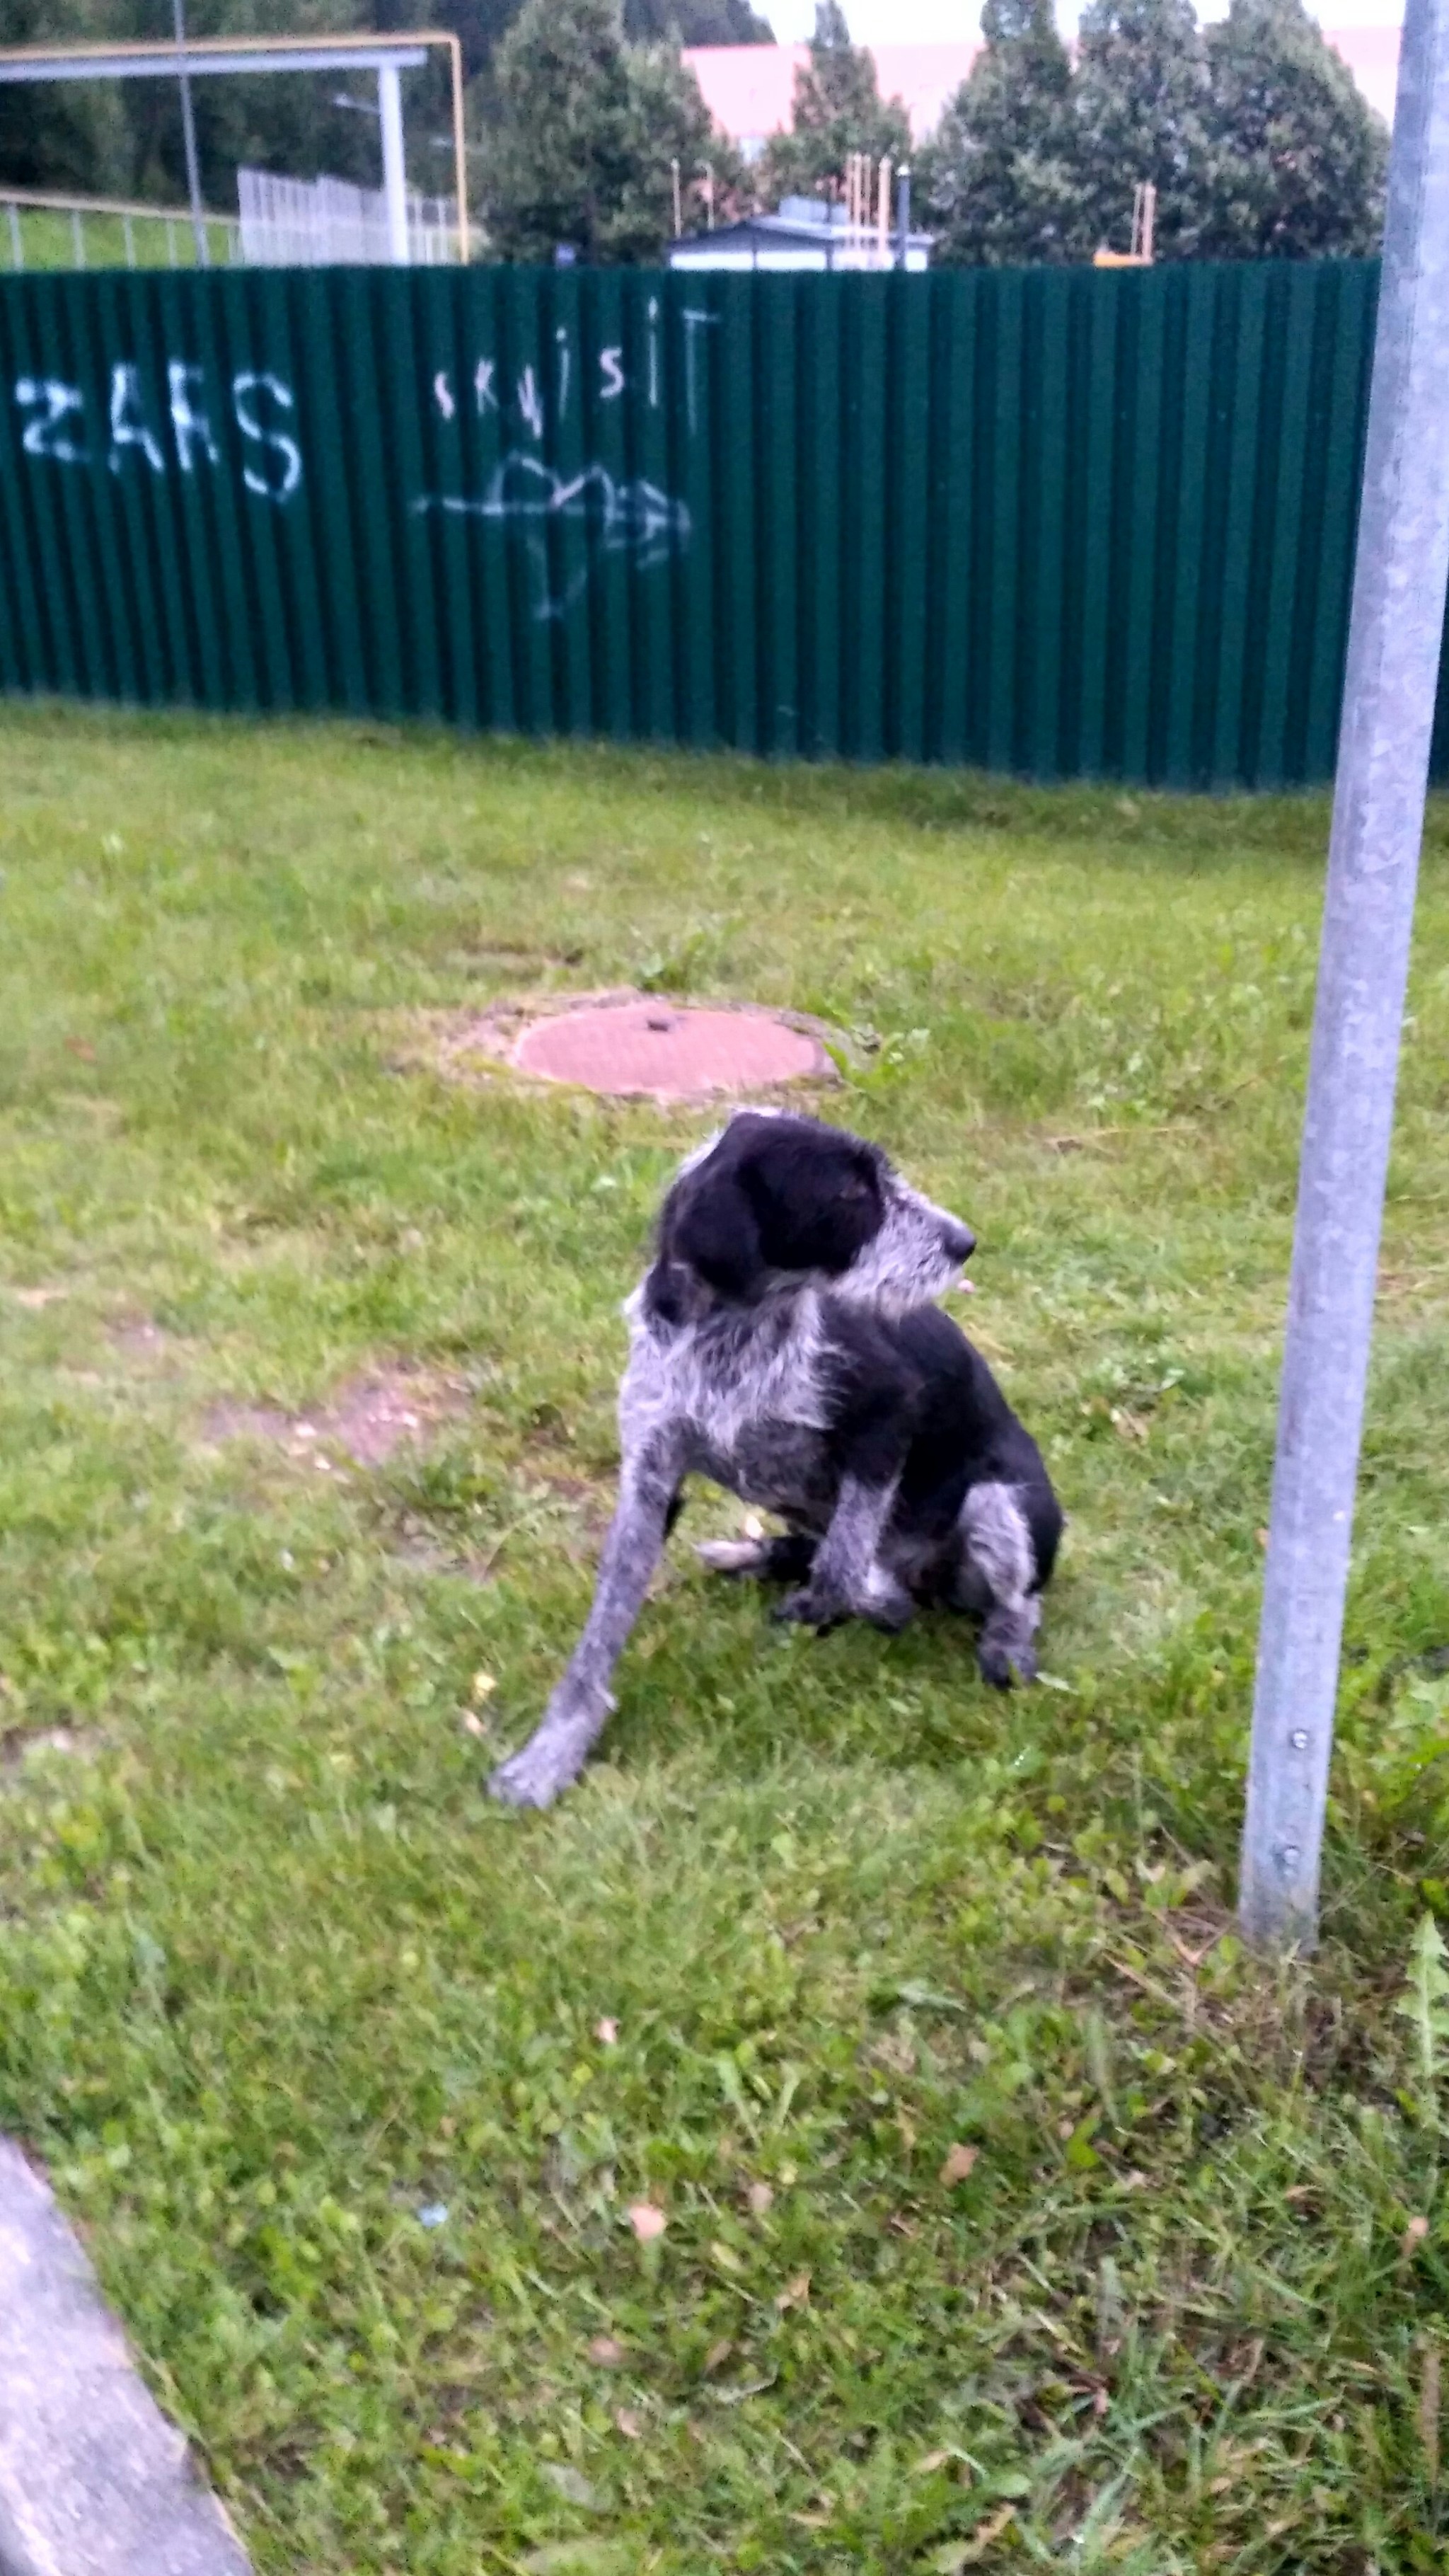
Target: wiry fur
{"type": "Point", "coordinates": [783, 1343]}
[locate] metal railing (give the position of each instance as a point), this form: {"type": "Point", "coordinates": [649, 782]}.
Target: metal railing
{"type": "Point", "coordinates": [329, 223]}
{"type": "Point", "coordinates": [282, 223]}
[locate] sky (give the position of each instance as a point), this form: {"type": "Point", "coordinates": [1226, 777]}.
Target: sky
{"type": "Point", "coordinates": [931, 22]}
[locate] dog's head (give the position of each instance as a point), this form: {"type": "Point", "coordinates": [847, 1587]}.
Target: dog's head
{"type": "Point", "coordinates": [775, 1200]}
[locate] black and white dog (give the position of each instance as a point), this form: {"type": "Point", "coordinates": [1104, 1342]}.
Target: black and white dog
{"type": "Point", "coordinates": [785, 1345]}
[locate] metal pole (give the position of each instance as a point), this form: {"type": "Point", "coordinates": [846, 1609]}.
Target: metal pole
{"type": "Point", "coordinates": [188, 129]}
{"type": "Point", "coordinates": [903, 219]}
{"type": "Point", "coordinates": [1395, 635]}
{"type": "Point", "coordinates": [460, 149]}
{"type": "Point", "coordinates": [394, 173]}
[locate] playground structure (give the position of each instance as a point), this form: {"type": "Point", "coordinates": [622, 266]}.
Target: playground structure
{"type": "Point", "coordinates": [1144, 220]}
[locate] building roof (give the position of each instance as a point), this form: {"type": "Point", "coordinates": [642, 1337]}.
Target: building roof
{"type": "Point", "coordinates": [780, 241]}
{"type": "Point", "coordinates": [750, 89]}
{"type": "Point", "coordinates": [1372, 55]}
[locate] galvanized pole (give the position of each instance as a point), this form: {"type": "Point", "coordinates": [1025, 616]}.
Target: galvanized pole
{"type": "Point", "coordinates": [1395, 636]}
{"type": "Point", "coordinates": [394, 170]}
{"type": "Point", "coordinates": [188, 130]}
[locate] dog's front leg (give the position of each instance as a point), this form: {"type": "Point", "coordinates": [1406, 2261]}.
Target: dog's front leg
{"type": "Point", "coordinates": [579, 1709]}
{"type": "Point", "coordinates": [847, 1579]}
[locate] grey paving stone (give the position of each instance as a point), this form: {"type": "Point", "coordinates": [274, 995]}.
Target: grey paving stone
{"type": "Point", "coordinates": [93, 2480]}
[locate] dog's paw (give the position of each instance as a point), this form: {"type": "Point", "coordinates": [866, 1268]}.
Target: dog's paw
{"type": "Point", "coordinates": [1003, 1665]}
{"type": "Point", "coordinates": [535, 1776]}
{"type": "Point", "coordinates": [882, 1600]}
{"type": "Point", "coordinates": [1002, 1661]}
{"type": "Point", "coordinates": [809, 1608]}
{"type": "Point", "coordinates": [888, 1606]}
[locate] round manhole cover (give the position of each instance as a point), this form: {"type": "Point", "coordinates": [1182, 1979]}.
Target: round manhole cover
{"type": "Point", "coordinates": [655, 1047]}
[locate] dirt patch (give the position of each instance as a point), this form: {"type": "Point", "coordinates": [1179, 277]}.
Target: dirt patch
{"type": "Point", "coordinates": [374, 1416]}
{"type": "Point", "coordinates": [367, 1422]}
{"type": "Point", "coordinates": [233, 1419]}
{"type": "Point", "coordinates": [19, 1743]}
{"type": "Point", "coordinates": [137, 1339]}
{"type": "Point", "coordinates": [633, 1045]}
{"type": "Point", "coordinates": [35, 1298]}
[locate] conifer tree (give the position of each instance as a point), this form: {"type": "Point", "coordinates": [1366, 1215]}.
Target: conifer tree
{"type": "Point", "coordinates": [1141, 109]}
{"type": "Point", "coordinates": [838, 110]}
{"type": "Point", "coordinates": [1300, 158]}
{"type": "Point", "coordinates": [996, 181]}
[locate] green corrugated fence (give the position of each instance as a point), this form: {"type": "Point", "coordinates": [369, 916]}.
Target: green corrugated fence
{"type": "Point", "coordinates": [1069, 523]}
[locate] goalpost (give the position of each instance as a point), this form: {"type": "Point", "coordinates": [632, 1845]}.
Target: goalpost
{"type": "Point", "coordinates": [191, 58]}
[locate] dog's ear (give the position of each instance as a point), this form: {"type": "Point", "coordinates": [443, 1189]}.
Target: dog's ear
{"type": "Point", "coordinates": [709, 1247]}
{"type": "Point", "coordinates": [715, 1233]}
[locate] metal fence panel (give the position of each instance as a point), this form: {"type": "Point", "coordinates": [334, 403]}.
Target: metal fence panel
{"type": "Point", "coordinates": [1068, 523]}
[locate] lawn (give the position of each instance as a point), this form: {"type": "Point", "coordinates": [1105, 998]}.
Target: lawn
{"type": "Point", "coordinates": [48, 240]}
{"type": "Point", "coordinates": [1014, 2216]}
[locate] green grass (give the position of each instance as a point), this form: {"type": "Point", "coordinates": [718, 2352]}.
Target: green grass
{"type": "Point", "coordinates": [47, 240]}
{"type": "Point", "coordinates": [275, 1976]}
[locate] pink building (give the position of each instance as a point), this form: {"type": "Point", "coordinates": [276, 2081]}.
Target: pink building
{"type": "Point", "coordinates": [748, 89]}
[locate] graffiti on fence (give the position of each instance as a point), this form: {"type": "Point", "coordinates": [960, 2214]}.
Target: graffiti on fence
{"type": "Point", "coordinates": [527, 499]}
{"type": "Point", "coordinates": [58, 427]}
{"type": "Point", "coordinates": [535, 398]}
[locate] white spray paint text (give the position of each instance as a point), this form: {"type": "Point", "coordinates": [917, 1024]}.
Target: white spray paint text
{"type": "Point", "coordinates": [58, 431]}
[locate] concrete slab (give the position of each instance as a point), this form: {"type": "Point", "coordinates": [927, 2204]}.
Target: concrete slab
{"type": "Point", "coordinates": [93, 2480]}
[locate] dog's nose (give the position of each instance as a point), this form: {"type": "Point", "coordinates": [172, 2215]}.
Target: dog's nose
{"type": "Point", "coordinates": [960, 1242]}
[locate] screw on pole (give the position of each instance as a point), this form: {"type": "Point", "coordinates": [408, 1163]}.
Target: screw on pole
{"type": "Point", "coordinates": [1395, 634]}
{"type": "Point", "coordinates": [188, 131]}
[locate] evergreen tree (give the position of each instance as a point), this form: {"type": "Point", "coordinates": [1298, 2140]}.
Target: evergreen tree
{"type": "Point", "coordinates": [69, 136]}
{"type": "Point", "coordinates": [587, 129]}
{"type": "Point", "coordinates": [479, 25]}
{"type": "Point", "coordinates": [1300, 158]}
{"type": "Point", "coordinates": [838, 110]}
{"type": "Point", "coordinates": [996, 182]}
{"type": "Point", "coordinates": [1141, 110]}
{"type": "Point", "coordinates": [696, 22]}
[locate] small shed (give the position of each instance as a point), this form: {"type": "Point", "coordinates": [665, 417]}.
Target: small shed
{"type": "Point", "coordinates": [806, 233]}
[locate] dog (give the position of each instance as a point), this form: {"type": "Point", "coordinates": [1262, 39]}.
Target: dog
{"type": "Point", "coordinates": [785, 1344]}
